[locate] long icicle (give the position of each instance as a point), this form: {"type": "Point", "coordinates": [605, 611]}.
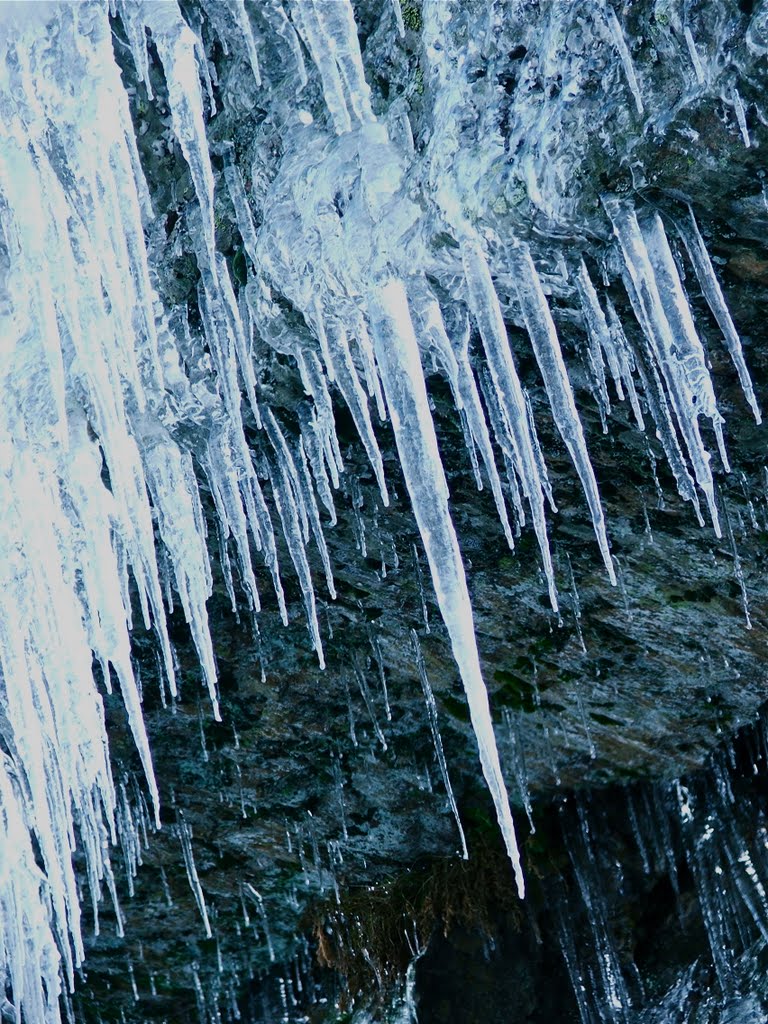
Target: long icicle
{"type": "Point", "coordinates": [713, 293]}
{"type": "Point", "coordinates": [397, 355]}
{"type": "Point", "coordinates": [546, 347]}
{"type": "Point", "coordinates": [486, 310]}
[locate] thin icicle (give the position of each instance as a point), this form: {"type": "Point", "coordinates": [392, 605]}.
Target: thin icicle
{"type": "Point", "coordinates": [310, 28]}
{"type": "Point", "coordinates": [546, 347]}
{"type": "Point", "coordinates": [379, 659]}
{"type": "Point", "coordinates": [239, 199]}
{"type": "Point", "coordinates": [625, 363]}
{"type": "Point", "coordinates": [184, 833]}
{"type": "Point", "coordinates": [312, 448]}
{"type": "Point", "coordinates": [397, 11]}
{"type": "Point", "coordinates": [308, 497]}
{"type": "Point", "coordinates": [519, 767]}
{"type": "Point", "coordinates": [176, 499]}
{"type": "Point", "coordinates": [683, 383]}
{"type": "Point", "coordinates": [576, 603]}
{"type": "Point", "coordinates": [684, 362]}
{"type": "Point", "coordinates": [626, 58]}
{"type": "Point", "coordinates": [453, 352]}
{"type": "Point", "coordinates": [710, 287]}
{"type": "Point", "coordinates": [256, 896]}
{"type": "Point", "coordinates": [288, 509]}
{"type": "Point", "coordinates": [342, 369]}
{"type": "Point", "coordinates": [738, 569]}
{"type": "Point", "coordinates": [694, 54]}
{"type": "Point", "coordinates": [485, 308]}
{"type": "Point", "coordinates": [365, 693]}
{"type": "Point", "coordinates": [429, 700]}
{"type": "Point", "coordinates": [243, 22]}
{"type": "Point", "coordinates": [741, 116]}
{"type": "Point", "coordinates": [422, 592]}
{"type": "Point", "coordinates": [600, 338]}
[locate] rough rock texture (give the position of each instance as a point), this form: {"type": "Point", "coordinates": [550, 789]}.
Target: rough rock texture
{"type": "Point", "coordinates": [628, 684]}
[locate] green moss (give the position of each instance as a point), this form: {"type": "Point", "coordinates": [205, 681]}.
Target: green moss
{"type": "Point", "coordinates": [514, 692]}
{"type": "Point", "coordinates": [411, 15]}
{"type": "Point", "coordinates": [418, 77]}
{"type": "Point", "coordinates": [456, 707]}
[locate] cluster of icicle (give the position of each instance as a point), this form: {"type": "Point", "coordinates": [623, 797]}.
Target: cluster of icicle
{"type": "Point", "coordinates": [101, 385]}
{"type": "Point", "coordinates": [721, 838]}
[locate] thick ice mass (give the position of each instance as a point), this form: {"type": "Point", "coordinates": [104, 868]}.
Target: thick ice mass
{"type": "Point", "coordinates": [140, 450]}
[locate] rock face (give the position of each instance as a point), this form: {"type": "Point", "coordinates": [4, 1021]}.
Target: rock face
{"type": "Point", "coordinates": [301, 832]}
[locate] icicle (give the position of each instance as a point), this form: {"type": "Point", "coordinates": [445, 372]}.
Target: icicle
{"type": "Point", "coordinates": [239, 199]}
{"type": "Point", "coordinates": [397, 11]}
{"type": "Point", "coordinates": [688, 382]}
{"type": "Point", "coordinates": [339, 782]}
{"type": "Point", "coordinates": [597, 331]}
{"type": "Point", "coordinates": [185, 838]}
{"type": "Point", "coordinates": [687, 352]}
{"type": "Point", "coordinates": [233, 325]}
{"type": "Point", "coordinates": [263, 915]}
{"type": "Point", "coordinates": [519, 765]}
{"type": "Point", "coordinates": [453, 351]}
{"type": "Point", "coordinates": [576, 603]}
{"type": "Point", "coordinates": [397, 355]}
{"type": "Point", "coordinates": [351, 713]}
{"type": "Point", "coordinates": [379, 659]}
{"type": "Point", "coordinates": [166, 888]}
{"type": "Point", "coordinates": [546, 346]}
{"type": "Point", "coordinates": [330, 34]}
{"type": "Point", "coordinates": [338, 26]}
{"type": "Point", "coordinates": [623, 589]}
{"type": "Point", "coordinates": [203, 745]}
{"type": "Point", "coordinates": [637, 833]}
{"type": "Point", "coordinates": [372, 381]}
{"type": "Point", "coordinates": [422, 593]}
{"type": "Point", "coordinates": [244, 24]}
{"type": "Point", "coordinates": [626, 59]}
{"type": "Point", "coordinates": [429, 699]}
{"type": "Point", "coordinates": [366, 695]}
{"type": "Point", "coordinates": [741, 117]}
{"type": "Point", "coordinates": [342, 369]}
{"type": "Point", "coordinates": [219, 466]}
{"type": "Point", "coordinates": [568, 949]}
{"type": "Point", "coordinates": [137, 40]}
{"type": "Point", "coordinates": [312, 449]}
{"type": "Point", "coordinates": [485, 308]}
{"type": "Point", "coordinates": [502, 437]}
{"type": "Point", "coordinates": [288, 510]}
{"type": "Point", "coordinates": [308, 497]}
{"type": "Point", "coordinates": [614, 991]}
{"type": "Point", "coordinates": [357, 517]}
{"type": "Point", "coordinates": [278, 21]}
{"type": "Point", "coordinates": [132, 980]}
{"type": "Point", "coordinates": [738, 569]}
{"type": "Point", "coordinates": [176, 45]}
{"type": "Point", "coordinates": [710, 287]}
{"type": "Point", "coordinates": [600, 340]}
{"type": "Point", "coordinates": [624, 361]}
{"type": "Point", "coordinates": [174, 491]}
{"type": "Point", "coordinates": [694, 54]}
